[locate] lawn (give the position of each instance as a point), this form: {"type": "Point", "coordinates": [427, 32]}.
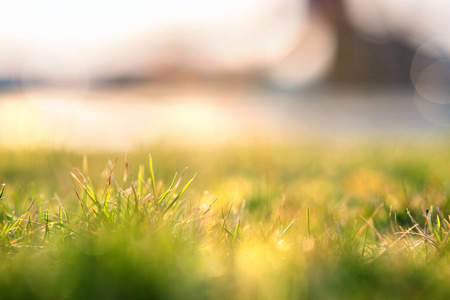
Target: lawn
{"type": "Point", "coordinates": [311, 220]}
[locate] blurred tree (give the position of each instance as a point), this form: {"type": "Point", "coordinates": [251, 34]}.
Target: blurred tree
{"type": "Point", "coordinates": [360, 60]}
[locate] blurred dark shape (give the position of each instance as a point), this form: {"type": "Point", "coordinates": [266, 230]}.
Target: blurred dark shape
{"type": "Point", "coordinates": [361, 61]}
{"type": "Point", "coordinates": [118, 81]}
{"type": "Point", "coordinates": [8, 85]}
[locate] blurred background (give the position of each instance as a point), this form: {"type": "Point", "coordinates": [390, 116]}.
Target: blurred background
{"type": "Point", "coordinates": [123, 74]}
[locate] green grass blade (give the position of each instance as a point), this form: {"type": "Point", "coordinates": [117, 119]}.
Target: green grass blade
{"type": "Point", "coordinates": [140, 179]}
{"type": "Point", "coordinates": [176, 185]}
{"type": "Point", "coordinates": [2, 190]}
{"type": "Point", "coordinates": [181, 193]}
{"type": "Point", "coordinates": [163, 196]}
{"type": "Point", "coordinates": [152, 175]}
{"type": "Point", "coordinates": [236, 230]}
{"type": "Point", "coordinates": [223, 225]}
{"type": "Point", "coordinates": [434, 230]}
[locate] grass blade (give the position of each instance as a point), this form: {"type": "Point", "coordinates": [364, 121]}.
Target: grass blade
{"type": "Point", "coordinates": [181, 193]}
{"type": "Point", "coordinates": [152, 175]}
{"type": "Point", "coordinates": [236, 230]}
{"type": "Point", "coordinates": [287, 228]}
{"type": "Point", "coordinates": [2, 190]}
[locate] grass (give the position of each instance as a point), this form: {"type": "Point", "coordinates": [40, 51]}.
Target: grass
{"type": "Point", "coordinates": [286, 221]}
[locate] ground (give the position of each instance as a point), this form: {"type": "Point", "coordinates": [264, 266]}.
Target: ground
{"type": "Point", "coordinates": [310, 220]}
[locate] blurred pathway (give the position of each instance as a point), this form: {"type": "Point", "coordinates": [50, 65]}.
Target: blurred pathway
{"type": "Point", "coordinates": [122, 119]}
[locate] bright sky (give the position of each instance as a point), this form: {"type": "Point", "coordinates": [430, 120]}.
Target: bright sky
{"type": "Point", "coordinates": [87, 39]}
{"type": "Point", "coordinates": [87, 23]}
{"type": "Point", "coordinates": [118, 35]}
{"type": "Point", "coordinates": [414, 21]}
